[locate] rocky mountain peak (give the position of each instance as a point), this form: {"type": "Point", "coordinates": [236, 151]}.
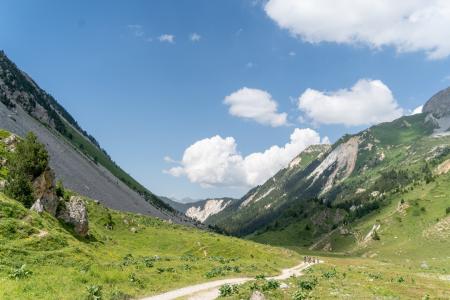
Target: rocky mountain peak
{"type": "Point", "coordinates": [439, 104]}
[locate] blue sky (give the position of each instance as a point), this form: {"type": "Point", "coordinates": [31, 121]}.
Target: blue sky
{"type": "Point", "coordinates": [145, 99]}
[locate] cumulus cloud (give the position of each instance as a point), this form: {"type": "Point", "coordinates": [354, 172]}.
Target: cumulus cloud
{"type": "Point", "coordinates": [417, 110]}
{"type": "Point", "coordinates": [195, 37]}
{"type": "Point", "coordinates": [408, 26]}
{"type": "Point", "coordinates": [257, 105]}
{"type": "Point", "coordinates": [367, 102]}
{"type": "Point", "coordinates": [216, 161]}
{"type": "Point", "coordinates": [167, 38]}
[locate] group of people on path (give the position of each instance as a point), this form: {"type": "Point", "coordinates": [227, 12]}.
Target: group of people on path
{"type": "Point", "coordinates": [310, 260]}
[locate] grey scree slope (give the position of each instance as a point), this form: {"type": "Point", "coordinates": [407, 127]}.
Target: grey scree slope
{"type": "Point", "coordinates": [76, 171]}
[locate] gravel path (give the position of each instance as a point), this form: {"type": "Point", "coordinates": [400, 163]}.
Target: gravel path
{"type": "Point", "coordinates": [210, 290]}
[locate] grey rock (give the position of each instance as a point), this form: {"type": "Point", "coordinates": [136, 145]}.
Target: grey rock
{"type": "Point", "coordinates": [44, 191]}
{"type": "Point", "coordinates": [439, 104]}
{"type": "Point", "coordinates": [38, 206]}
{"type": "Point", "coordinates": [75, 213]}
{"type": "Point", "coordinates": [257, 295]}
{"type": "Point", "coordinates": [424, 265]}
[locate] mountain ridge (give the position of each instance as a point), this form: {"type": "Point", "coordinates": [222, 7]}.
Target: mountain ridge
{"type": "Point", "coordinates": [76, 156]}
{"type": "Point", "coordinates": [348, 172]}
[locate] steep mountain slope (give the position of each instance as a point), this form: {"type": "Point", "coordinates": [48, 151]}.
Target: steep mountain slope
{"type": "Point", "coordinates": [76, 156]}
{"type": "Point", "coordinates": [200, 210]}
{"type": "Point", "coordinates": [351, 179]}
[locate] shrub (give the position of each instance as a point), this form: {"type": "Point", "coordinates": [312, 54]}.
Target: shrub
{"type": "Point", "coordinates": [330, 274]}
{"type": "Point", "coordinates": [94, 292]}
{"type": "Point", "coordinates": [271, 285]}
{"type": "Point", "coordinates": [25, 164]}
{"type": "Point", "coordinates": [225, 290]}
{"type": "Point", "coordinates": [300, 295]}
{"type": "Point", "coordinates": [19, 188]}
{"type": "Point", "coordinates": [228, 290]}
{"type": "Point", "coordinates": [308, 285]}
{"type": "Point", "coordinates": [148, 262]}
{"type": "Point", "coordinates": [447, 210]}
{"type": "Point", "coordinates": [20, 273]}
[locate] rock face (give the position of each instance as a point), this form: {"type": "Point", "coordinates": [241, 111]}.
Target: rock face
{"type": "Point", "coordinates": [44, 192]}
{"type": "Point", "coordinates": [204, 211]}
{"type": "Point", "coordinates": [439, 104]}
{"type": "Point", "coordinates": [75, 213]}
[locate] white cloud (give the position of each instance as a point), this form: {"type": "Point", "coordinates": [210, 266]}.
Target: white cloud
{"type": "Point", "coordinates": [195, 37]}
{"type": "Point", "coordinates": [167, 38]}
{"type": "Point", "coordinates": [292, 53]}
{"type": "Point", "coordinates": [137, 30]}
{"type": "Point", "coordinates": [406, 25]}
{"type": "Point", "coordinates": [417, 110]}
{"type": "Point", "coordinates": [256, 105]}
{"type": "Point", "coordinates": [215, 161]}
{"type": "Point", "coordinates": [367, 102]}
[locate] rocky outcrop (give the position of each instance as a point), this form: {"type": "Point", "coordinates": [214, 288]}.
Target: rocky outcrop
{"type": "Point", "coordinates": [74, 212]}
{"type": "Point", "coordinates": [439, 104]}
{"type": "Point", "coordinates": [342, 159]}
{"type": "Point", "coordinates": [11, 142]}
{"type": "Point", "coordinates": [44, 192]}
{"type": "Point", "coordinates": [209, 208]}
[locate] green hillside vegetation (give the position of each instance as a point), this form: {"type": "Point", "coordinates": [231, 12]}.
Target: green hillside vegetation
{"type": "Point", "coordinates": [125, 255]}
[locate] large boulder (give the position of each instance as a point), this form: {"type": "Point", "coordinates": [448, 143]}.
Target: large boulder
{"type": "Point", "coordinates": [74, 212]}
{"type": "Point", "coordinates": [45, 192]}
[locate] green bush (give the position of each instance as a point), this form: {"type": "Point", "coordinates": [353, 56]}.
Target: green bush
{"type": "Point", "coordinates": [228, 290]}
{"type": "Point", "coordinates": [26, 163]}
{"type": "Point", "coordinates": [19, 187]}
{"type": "Point", "coordinates": [20, 273]}
{"type": "Point", "coordinates": [308, 284]}
{"type": "Point", "coordinates": [447, 210]}
{"type": "Point", "coordinates": [300, 295]}
{"type": "Point", "coordinates": [271, 285]}
{"type": "Point", "coordinates": [94, 292]}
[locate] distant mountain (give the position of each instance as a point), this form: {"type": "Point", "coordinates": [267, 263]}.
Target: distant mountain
{"type": "Point", "coordinates": [328, 186]}
{"type": "Point", "coordinates": [75, 155]}
{"type": "Point", "coordinates": [200, 210]}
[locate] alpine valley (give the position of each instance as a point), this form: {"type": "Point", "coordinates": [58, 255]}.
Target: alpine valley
{"type": "Point", "coordinates": [367, 217]}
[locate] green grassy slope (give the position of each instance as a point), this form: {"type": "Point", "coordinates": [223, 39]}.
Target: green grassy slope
{"type": "Point", "coordinates": [158, 257]}
{"type": "Point", "coordinates": [409, 260]}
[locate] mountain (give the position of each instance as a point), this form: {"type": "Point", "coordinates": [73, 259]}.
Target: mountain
{"type": "Point", "coordinates": [326, 187]}
{"type": "Point", "coordinates": [201, 210]}
{"type": "Point", "coordinates": [75, 155]}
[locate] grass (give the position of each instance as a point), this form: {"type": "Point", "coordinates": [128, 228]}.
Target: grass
{"type": "Point", "coordinates": [410, 261]}
{"type": "Point", "coordinates": [353, 278]}
{"type": "Point", "coordinates": [117, 263]}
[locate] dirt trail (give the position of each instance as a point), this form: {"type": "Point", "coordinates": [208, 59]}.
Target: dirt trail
{"type": "Point", "coordinates": [210, 290]}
